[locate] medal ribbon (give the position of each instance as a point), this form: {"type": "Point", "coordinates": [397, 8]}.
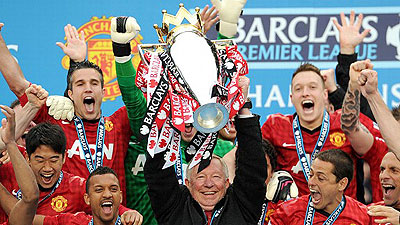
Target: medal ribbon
{"type": "Point", "coordinates": [263, 213]}
{"type": "Point", "coordinates": [331, 219]}
{"type": "Point", "coordinates": [298, 139]}
{"type": "Point", "coordinates": [178, 165]}
{"type": "Point", "coordinates": [216, 214]}
{"type": "Point", "coordinates": [80, 130]}
{"type": "Point", "coordinates": [19, 193]}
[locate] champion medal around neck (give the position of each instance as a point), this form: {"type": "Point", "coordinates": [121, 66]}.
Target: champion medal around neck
{"type": "Point", "coordinates": [188, 79]}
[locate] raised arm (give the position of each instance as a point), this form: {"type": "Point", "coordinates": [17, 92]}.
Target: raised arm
{"type": "Point", "coordinates": [126, 73]}
{"type": "Point", "coordinates": [336, 93]}
{"type": "Point", "coordinates": [10, 69]}
{"type": "Point", "coordinates": [229, 13]}
{"type": "Point", "coordinates": [388, 126]}
{"type": "Point", "coordinates": [75, 48]}
{"type": "Point", "coordinates": [360, 138]}
{"type": "Point", "coordinates": [25, 209]}
{"type": "Point", "coordinates": [36, 96]}
{"type": "Point", "coordinates": [349, 37]}
{"type": "Point", "coordinates": [349, 32]}
{"type": "Point", "coordinates": [209, 16]}
{"type": "Point", "coordinates": [251, 162]}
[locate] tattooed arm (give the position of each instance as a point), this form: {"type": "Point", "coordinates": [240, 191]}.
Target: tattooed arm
{"type": "Point", "coordinates": [360, 138]}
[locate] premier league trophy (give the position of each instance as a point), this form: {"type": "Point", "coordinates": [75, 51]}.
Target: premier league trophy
{"type": "Point", "coordinates": [188, 79]}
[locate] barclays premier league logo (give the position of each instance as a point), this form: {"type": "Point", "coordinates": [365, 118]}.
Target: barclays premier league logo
{"type": "Point", "coordinates": [271, 38]}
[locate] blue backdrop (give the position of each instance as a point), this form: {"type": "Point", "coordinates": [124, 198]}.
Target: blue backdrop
{"type": "Point", "coordinates": [274, 36]}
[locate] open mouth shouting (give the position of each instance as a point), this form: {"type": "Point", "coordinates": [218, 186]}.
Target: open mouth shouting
{"type": "Point", "coordinates": [316, 197]}
{"type": "Point", "coordinates": [89, 102]}
{"type": "Point", "coordinates": [189, 132]}
{"type": "Point", "coordinates": [308, 106]}
{"type": "Point", "coordinates": [188, 128]}
{"type": "Point", "coordinates": [388, 189]}
{"type": "Point", "coordinates": [107, 207]}
{"type": "Point", "coordinates": [47, 179]}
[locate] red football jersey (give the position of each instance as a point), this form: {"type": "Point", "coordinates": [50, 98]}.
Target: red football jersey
{"type": "Point", "coordinates": [271, 207]}
{"type": "Point", "coordinates": [117, 135]}
{"type": "Point", "coordinates": [374, 158]}
{"type": "Point", "coordinates": [79, 218]}
{"type": "Point", "coordinates": [377, 217]}
{"type": "Point", "coordinates": [7, 179]}
{"type": "Point", "coordinates": [278, 129]}
{"type": "Point", "coordinates": [293, 212]}
{"type": "Point", "coordinates": [68, 197]}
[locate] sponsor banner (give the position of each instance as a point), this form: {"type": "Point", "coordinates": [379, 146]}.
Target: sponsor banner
{"type": "Point", "coordinates": [282, 38]}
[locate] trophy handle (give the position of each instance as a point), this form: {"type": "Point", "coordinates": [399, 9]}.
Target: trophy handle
{"type": "Point", "coordinates": [143, 48]}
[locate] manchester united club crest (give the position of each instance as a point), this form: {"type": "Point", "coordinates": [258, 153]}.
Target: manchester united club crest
{"type": "Point", "coordinates": [337, 139]}
{"type": "Point", "coordinates": [100, 52]}
{"type": "Point", "coordinates": [268, 214]}
{"type": "Point", "coordinates": [59, 203]}
{"type": "Point", "coordinates": [109, 125]}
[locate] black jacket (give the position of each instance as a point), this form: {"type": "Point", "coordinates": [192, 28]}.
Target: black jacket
{"type": "Point", "coordinates": [342, 79]}
{"type": "Point", "coordinates": [173, 204]}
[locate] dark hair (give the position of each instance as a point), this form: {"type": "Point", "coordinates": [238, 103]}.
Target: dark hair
{"type": "Point", "coordinates": [396, 112]}
{"type": "Point", "coordinates": [47, 134]}
{"type": "Point", "coordinates": [342, 163]}
{"type": "Point", "coordinates": [270, 151]}
{"type": "Point", "coordinates": [15, 103]}
{"type": "Point", "coordinates": [99, 171]}
{"type": "Point", "coordinates": [308, 67]}
{"type": "Point", "coordinates": [82, 65]}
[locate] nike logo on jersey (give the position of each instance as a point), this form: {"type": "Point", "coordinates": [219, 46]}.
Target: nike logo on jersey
{"type": "Point", "coordinates": [288, 145]}
{"type": "Point", "coordinates": [64, 122]}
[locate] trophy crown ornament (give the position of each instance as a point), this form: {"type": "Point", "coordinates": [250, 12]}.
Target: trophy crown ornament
{"type": "Point", "coordinates": [195, 24]}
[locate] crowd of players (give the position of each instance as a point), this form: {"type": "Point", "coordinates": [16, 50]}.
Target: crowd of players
{"type": "Point", "coordinates": [87, 168]}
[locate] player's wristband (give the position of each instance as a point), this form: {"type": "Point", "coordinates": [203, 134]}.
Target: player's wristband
{"type": "Point", "coordinates": [121, 50]}
{"type": "Point", "coordinates": [72, 63]}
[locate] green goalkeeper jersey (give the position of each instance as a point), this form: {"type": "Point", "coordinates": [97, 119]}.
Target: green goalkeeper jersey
{"type": "Point", "coordinates": [136, 187]}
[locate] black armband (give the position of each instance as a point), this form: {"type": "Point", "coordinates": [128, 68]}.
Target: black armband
{"type": "Point", "coordinates": [73, 63]}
